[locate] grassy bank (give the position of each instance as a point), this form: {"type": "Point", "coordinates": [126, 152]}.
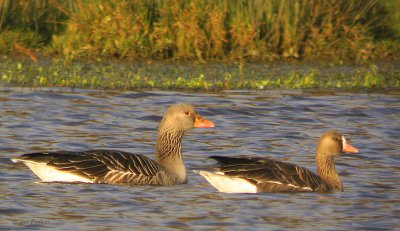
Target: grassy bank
{"type": "Point", "coordinates": [216, 76]}
{"type": "Point", "coordinates": [258, 30]}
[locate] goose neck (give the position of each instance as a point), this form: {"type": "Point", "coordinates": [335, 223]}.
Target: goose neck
{"type": "Point", "coordinates": [168, 145]}
{"type": "Point", "coordinates": [327, 171]}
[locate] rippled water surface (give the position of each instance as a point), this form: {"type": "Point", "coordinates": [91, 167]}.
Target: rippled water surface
{"type": "Point", "coordinates": [283, 125]}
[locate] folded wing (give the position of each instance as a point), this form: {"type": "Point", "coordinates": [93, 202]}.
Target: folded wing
{"type": "Point", "coordinates": [270, 175]}
{"type": "Point", "coordinates": [98, 166]}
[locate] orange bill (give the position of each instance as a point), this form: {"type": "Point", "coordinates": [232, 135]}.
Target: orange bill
{"type": "Point", "coordinates": [348, 148]}
{"type": "Point", "coordinates": [200, 122]}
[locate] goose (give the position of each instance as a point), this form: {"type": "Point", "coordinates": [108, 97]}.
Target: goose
{"type": "Point", "coordinates": [119, 167]}
{"type": "Point", "coordinates": [255, 174]}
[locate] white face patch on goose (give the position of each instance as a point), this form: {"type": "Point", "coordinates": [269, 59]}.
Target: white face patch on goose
{"type": "Point", "coordinates": [347, 148]}
{"type": "Point", "coordinates": [344, 142]}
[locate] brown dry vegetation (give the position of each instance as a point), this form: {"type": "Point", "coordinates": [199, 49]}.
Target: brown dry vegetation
{"type": "Point", "coordinates": [202, 30]}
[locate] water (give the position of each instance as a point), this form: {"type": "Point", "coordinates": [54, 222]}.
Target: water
{"type": "Point", "coordinates": [283, 125]}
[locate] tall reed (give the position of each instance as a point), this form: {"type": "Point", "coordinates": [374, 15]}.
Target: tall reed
{"type": "Point", "coordinates": [204, 29]}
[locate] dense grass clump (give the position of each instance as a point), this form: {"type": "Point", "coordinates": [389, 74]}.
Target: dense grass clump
{"type": "Point", "coordinates": [202, 30]}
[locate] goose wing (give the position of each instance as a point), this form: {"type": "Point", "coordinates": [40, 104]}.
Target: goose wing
{"type": "Point", "coordinates": [270, 175]}
{"type": "Point", "coordinates": [102, 166]}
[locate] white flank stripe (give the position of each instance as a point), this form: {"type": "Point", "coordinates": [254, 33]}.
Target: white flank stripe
{"type": "Point", "coordinates": [228, 184]}
{"type": "Point", "coordinates": [291, 185]}
{"type": "Point", "coordinates": [49, 174]}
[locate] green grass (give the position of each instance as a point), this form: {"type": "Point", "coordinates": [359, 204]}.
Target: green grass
{"type": "Point", "coordinates": [211, 77]}
{"type": "Point", "coordinates": [257, 30]}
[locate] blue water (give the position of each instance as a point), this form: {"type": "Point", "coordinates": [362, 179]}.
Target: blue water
{"type": "Point", "coordinates": [282, 125]}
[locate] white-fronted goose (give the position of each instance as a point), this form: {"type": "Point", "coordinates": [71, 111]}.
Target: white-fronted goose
{"type": "Point", "coordinates": [115, 167]}
{"type": "Point", "coordinates": [253, 175]}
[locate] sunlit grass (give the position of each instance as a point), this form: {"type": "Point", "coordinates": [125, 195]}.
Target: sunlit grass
{"type": "Point", "coordinates": [202, 30]}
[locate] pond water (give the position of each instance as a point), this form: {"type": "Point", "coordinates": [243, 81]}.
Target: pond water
{"type": "Point", "coordinates": [282, 125]}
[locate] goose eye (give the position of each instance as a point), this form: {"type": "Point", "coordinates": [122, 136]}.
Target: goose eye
{"type": "Point", "coordinates": [187, 113]}
{"type": "Point", "coordinates": [335, 139]}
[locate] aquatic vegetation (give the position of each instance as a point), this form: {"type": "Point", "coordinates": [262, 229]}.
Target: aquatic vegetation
{"type": "Point", "coordinates": [125, 76]}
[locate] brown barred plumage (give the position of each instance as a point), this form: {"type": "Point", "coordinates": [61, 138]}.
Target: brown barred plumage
{"type": "Point", "coordinates": [118, 167]}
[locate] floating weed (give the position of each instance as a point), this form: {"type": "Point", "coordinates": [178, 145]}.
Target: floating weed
{"type": "Point", "coordinates": [123, 76]}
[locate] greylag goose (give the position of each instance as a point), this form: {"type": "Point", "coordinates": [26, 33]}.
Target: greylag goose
{"type": "Point", "coordinates": [118, 167]}
{"type": "Point", "coordinates": [253, 175]}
